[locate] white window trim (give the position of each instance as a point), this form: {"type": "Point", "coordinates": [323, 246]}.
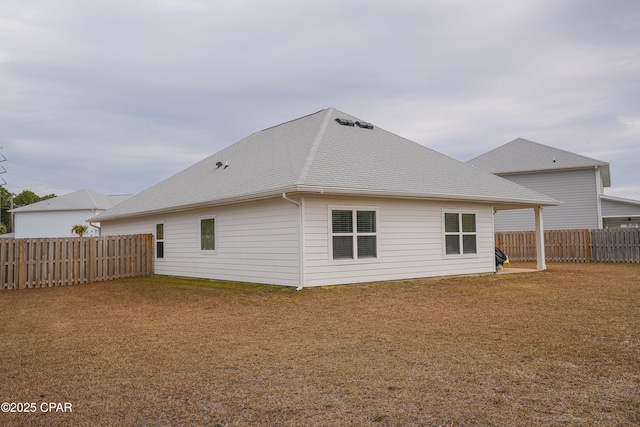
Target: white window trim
{"type": "Point", "coordinates": [205, 252]}
{"type": "Point", "coordinates": [163, 240]}
{"type": "Point", "coordinates": [460, 212]}
{"type": "Point", "coordinates": [354, 209]}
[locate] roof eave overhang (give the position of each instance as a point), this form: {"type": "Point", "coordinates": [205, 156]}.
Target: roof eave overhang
{"type": "Point", "coordinates": [20, 210]}
{"type": "Point", "coordinates": [508, 203]}
{"type": "Point", "coordinates": [106, 217]}
{"type": "Point", "coordinates": [620, 200]}
{"type": "Point", "coordinates": [500, 202]}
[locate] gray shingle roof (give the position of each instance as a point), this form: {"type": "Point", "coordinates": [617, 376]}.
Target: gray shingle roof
{"type": "Point", "coordinates": [522, 155]}
{"type": "Point", "coordinates": [77, 201]}
{"type": "Point", "coordinates": [316, 153]}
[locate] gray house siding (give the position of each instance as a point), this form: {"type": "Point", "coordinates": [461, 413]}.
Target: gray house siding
{"type": "Point", "coordinates": [576, 189]}
{"type": "Point", "coordinates": [614, 209]}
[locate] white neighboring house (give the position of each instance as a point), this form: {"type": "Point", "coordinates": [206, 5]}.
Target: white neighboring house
{"type": "Point", "coordinates": [55, 217]}
{"type": "Point", "coordinates": [577, 181]}
{"type": "Point", "coordinates": [324, 199]}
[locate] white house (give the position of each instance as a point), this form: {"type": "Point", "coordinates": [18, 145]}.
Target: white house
{"type": "Point", "coordinates": [55, 217]}
{"type": "Point", "coordinates": [577, 181]}
{"type": "Point", "coordinates": [320, 200]}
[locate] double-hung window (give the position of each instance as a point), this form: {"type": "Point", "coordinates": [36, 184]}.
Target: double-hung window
{"type": "Point", "coordinates": [460, 236]}
{"type": "Point", "coordinates": [354, 234]}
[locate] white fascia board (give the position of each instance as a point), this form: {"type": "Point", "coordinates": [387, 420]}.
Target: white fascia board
{"type": "Point", "coordinates": [620, 200]}
{"type": "Point", "coordinates": [517, 203]}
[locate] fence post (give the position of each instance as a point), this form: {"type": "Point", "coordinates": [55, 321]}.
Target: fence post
{"type": "Point", "coordinates": [587, 239]}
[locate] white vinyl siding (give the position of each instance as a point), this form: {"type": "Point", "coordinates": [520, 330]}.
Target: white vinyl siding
{"type": "Point", "coordinates": [617, 209]}
{"type": "Point", "coordinates": [256, 242]}
{"type": "Point", "coordinates": [259, 242]}
{"type": "Point", "coordinates": [410, 243]}
{"type": "Point", "coordinates": [576, 189]}
{"type": "Point", "coordinates": [51, 223]}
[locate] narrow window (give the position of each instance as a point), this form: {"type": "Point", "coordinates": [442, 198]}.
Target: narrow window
{"type": "Point", "coordinates": [354, 234]}
{"type": "Point", "coordinates": [207, 234]}
{"type": "Point", "coordinates": [468, 233]}
{"type": "Point", "coordinates": [452, 233]}
{"type": "Point", "coordinates": [367, 245]}
{"type": "Point", "coordinates": [159, 240]}
{"type": "Point", "coordinates": [460, 233]}
{"type": "Point", "coordinates": [342, 228]}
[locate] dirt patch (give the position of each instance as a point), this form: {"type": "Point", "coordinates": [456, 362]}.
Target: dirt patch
{"type": "Point", "coordinates": [560, 347]}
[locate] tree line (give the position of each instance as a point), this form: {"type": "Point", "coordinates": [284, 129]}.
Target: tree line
{"type": "Point", "coordinates": [25, 198]}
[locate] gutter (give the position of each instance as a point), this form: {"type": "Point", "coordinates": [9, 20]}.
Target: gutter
{"type": "Point", "coordinates": [547, 201]}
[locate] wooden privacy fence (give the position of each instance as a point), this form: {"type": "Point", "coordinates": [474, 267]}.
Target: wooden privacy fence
{"type": "Point", "coordinates": [44, 262]}
{"type": "Point", "coordinates": [609, 245]}
{"type": "Point", "coordinates": [616, 245]}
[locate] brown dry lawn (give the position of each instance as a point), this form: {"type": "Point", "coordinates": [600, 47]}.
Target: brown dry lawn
{"type": "Point", "coordinates": [560, 347]}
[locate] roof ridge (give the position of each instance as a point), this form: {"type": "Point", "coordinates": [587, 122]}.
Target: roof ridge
{"type": "Point", "coordinates": [304, 172]}
{"type": "Point", "coordinates": [289, 121]}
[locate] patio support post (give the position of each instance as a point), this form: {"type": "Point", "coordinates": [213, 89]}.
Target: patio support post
{"type": "Point", "coordinates": [540, 255]}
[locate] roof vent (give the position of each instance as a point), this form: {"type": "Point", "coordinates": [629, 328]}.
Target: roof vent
{"type": "Point", "coordinates": [365, 125]}
{"type": "Point", "coordinates": [345, 122]}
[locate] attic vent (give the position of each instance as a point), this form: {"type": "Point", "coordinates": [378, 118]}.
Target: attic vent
{"type": "Point", "coordinates": [364, 125]}
{"type": "Point", "coordinates": [345, 122]}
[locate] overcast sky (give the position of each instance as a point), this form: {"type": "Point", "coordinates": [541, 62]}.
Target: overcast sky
{"type": "Point", "coordinates": [117, 95]}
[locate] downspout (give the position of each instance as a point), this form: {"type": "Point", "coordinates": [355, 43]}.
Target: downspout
{"type": "Point", "coordinates": [301, 240]}
{"type": "Point", "coordinates": [97, 227]}
{"type": "Point", "coordinates": [284, 196]}
{"type": "Point", "coordinates": [493, 237]}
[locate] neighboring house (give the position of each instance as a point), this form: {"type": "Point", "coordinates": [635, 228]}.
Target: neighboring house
{"type": "Point", "coordinates": [320, 200]}
{"type": "Point", "coordinates": [55, 217]}
{"type": "Point", "coordinates": [577, 181]}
